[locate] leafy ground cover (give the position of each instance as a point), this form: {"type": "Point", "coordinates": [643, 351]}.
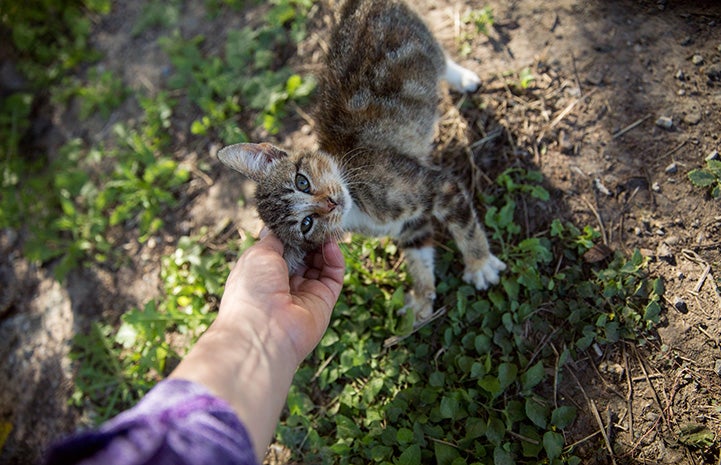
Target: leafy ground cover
{"type": "Point", "coordinates": [501, 377]}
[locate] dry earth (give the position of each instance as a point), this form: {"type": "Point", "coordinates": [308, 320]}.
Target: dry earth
{"type": "Point", "coordinates": [605, 72]}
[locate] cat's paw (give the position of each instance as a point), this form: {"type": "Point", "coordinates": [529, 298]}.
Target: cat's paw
{"type": "Point", "coordinates": [461, 79]}
{"type": "Point", "coordinates": [486, 274]}
{"type": "Point", "coordinates": [421, 306]}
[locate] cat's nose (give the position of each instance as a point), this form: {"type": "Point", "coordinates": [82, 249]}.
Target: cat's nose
{"type": "Point", "coordinates": [330, 204]}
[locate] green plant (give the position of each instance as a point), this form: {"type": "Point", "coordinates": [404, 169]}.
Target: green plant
{"type": "Point", "coordinates": [116, 367]}
{"type": "Point", "coordinates": [157, 14]}
{"type": "Point", "coordinates": [247, 78]}
{"type": "Point", "coordinates": [50, 36]}
{"type": "Point", "coordinates": [474, 387]}
{"type": "Point", "coordinates": [708, 177]}
{"type": "Point", "coordinates": [482, 20]}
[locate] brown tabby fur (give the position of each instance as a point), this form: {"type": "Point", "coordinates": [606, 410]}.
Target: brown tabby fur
{"type": "Point", "coordinates": [373, 172]}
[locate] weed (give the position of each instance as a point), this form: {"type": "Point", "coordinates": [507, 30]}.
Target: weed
{"type": "Point", "coordinates": [708, 177]}
{"type": "Point", "coordinates": [119, 366]}
{"type": "Point", "coordinates": [482, 20]}
{"type": "Point", "coordinates": [247, 77]}
{"type": "Point", "coordinates": [472, 388]}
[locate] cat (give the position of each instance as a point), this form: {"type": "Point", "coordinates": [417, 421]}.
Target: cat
{"type": "Point", "coordinates": [373, 172]}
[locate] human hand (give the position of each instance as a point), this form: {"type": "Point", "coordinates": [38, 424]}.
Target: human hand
{"type": "Point", "coordinates": [260, 294]}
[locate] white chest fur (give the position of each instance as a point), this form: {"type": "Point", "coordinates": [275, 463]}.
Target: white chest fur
{"type": "Point", "coordinates": [357, 221]}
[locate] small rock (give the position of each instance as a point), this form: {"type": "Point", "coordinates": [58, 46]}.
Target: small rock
{"type": "Point", "coordinates": [688, 40]}
{"type": "Point", "coordinates": [713, 156]}
{"type": "Point", "coordinates": [680, 75]}
{"type": "Point", "coordinates": [717, 367]}
{"type": "Point", "coordinates": [664, 251]}
{"type": "Point", "coordinates": [718, 47]}
{"type": "Point", "coordinates": [697, 60]}
{"type": "Point", "coordinates": [672, 240]}
{"type": "Point", "coordinates": [601, 188]}
{"type": "Point", "coordinates": [713, 72]}
{"type": "Point", "coordinates": [672, 168]}
{"type": "Point", "coordinates": [692, 118]}
{"type": "Point", "coordinates": [680, 305]}
{"type": "Point", "coordinates": [681, 92]}
{"type": "Point", "coordinates": [565, 143]}
{"type": "Point", "coordinates": [664, 122]}
{"type": "Point", "coordinates": [656, 187]}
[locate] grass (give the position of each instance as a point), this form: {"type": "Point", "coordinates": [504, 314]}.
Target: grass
{"type": "Point", "coordinates": [476, 386]}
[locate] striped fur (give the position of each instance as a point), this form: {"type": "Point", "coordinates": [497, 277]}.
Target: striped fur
{"type": "Point", "coordinates": [373, 173]}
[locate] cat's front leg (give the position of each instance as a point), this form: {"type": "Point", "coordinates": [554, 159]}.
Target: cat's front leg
{"type": "Point", "coordinates": [420, 300]}
{"type": "Point", "coordinates": [454, 208]}
{"type": "Point", "coordinates": [459, 78]}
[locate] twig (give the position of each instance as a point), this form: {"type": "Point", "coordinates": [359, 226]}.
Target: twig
{"type": "Point", "coordinates": [598, 218]}
{"type": "Point", "coordinates": [393, 340]}
{"type": "Point", "coordinates": [629, 396]}
{"type": "Point", "coordinates": [653, 388]}
{"type": "Point", "coordinates": [567, 110]}
{"type": "Point", "coordinates": [702, 279]}
{"type": "Point", "coordinates": [675, 149]}
{"type": "Point", "coordinates": [623, 131]}
{"type": "Point", "coordinates": [597, 416]}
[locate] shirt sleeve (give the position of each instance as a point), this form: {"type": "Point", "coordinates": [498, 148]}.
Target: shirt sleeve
{"type": "Point", "coordinates": [177, 422]}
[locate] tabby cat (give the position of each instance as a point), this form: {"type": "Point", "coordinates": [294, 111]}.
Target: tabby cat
{"type": "Point", "coordinates": [373, 172]}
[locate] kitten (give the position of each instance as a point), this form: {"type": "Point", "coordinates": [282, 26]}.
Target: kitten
{"type": "Point", "coordinates": [373, 172]}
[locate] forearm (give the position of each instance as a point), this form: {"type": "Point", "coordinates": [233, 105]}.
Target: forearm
{"type": "Point", "coordinates": [250, 369]}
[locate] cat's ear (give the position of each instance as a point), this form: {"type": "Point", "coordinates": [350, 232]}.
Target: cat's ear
{"type": "Point", "coordinates": [252, 160]}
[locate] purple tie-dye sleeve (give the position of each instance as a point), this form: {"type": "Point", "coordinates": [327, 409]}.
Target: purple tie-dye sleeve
{"type": "Point", "coordinates": [178, 422]}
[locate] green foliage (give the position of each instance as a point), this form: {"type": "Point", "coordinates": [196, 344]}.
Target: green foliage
{"type": "Point", "coordinates": [103, 93]}
{"type": "Point", "coordinates": [708, 177]}
{"type": "Point", "coordinates": [51, 36]}
{"type": "Point", "coordinates": [481, 20]}
{"type": "Point", "coordinates": [157, 13]}
{"type": "Point", "coordinates": [248, 77]}
{"type": "Point", "coordinates": [119, 366]}
{"type": "Point", "coordinates": [474, 387]}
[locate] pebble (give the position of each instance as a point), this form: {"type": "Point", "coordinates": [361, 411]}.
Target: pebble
{"type": "Point", "coordinates": [697, 60]}
{"type": "Point", "coordinates": [680, 75]}
{"type": "Point", "coordinates": [713, 72]}
{"type": "Point", "coordinates": [688, 40]}
{"type": "Point", "coordinates": [601, 188]}
{"type": "Point", "coordinates": [656, 187]}
{"type": "Point", "coordinates": [692, 118]}
{"type": "Point", "coordinates": [664, 251]}
{"type": "Point", "coordinates": [717, 367]}
{"type": "Point", "coordinates": [680, 305]}
{"type": "Point", "coordinates": [664, 122]}
{"type": "Point", "coordinates": [672, 168]}
{"type": "Point", "coordinates": [672, 240]}
{"type": "Point", "coordinates": [565, 142]}
{"type": "Point", "coordinates": [713, 156]}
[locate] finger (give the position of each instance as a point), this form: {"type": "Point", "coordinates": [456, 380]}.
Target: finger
{"type": "Point", "coordinates": [333, 268]}
{"type": "Point", "coordinates": [270, 241]}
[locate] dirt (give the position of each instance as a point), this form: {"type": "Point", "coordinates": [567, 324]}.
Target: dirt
{"type": "Point", "coordinates": [605, 72]}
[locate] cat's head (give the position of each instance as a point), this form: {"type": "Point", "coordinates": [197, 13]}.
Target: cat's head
{"type": "Point", "coordinates": [300, 196]}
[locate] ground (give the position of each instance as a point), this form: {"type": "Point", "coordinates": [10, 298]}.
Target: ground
{"type": "Point", "coordinates": [606, 76]}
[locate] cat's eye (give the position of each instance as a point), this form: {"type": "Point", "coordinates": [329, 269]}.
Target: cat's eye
{"type": "Point", "coordinates": [306, 224]}
{"type": "Point", "coordinates": [302, 184]}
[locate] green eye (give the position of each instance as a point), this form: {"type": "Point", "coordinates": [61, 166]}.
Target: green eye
{"type": "Point", "coordinates": [306, 224]}
{"type": "Point", "coordinates": [302, 183]}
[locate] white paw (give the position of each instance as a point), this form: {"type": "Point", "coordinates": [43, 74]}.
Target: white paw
{"type": "Point", "coordinates": [485, 275]}
{"type": "Point", "coordinates": [461, 79]}
{"type": "Point", "coordinates": [422, 307]}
